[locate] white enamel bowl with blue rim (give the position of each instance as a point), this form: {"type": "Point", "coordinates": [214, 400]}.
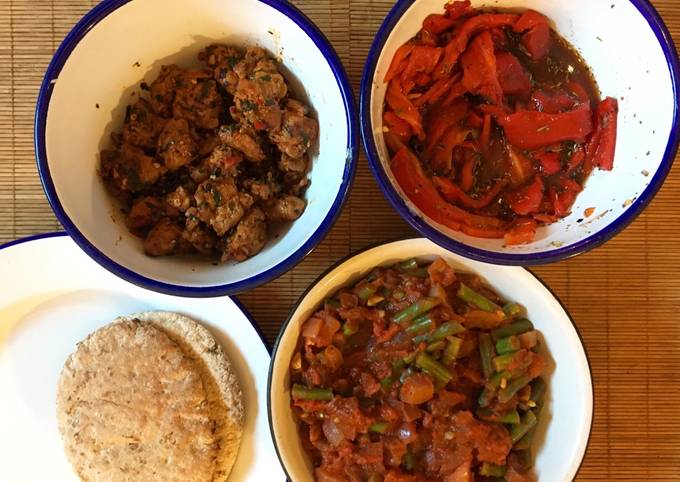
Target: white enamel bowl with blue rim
{"type": "Point", "coordinates": [565, 422]}
{"type": "Point", "coordinates": [90, 81]}
{"type": "Point", "coordinates": [633, 59]}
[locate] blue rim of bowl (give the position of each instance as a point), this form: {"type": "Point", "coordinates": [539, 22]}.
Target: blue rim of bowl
{"type": "Point", "coordinates": [61, 234]}
{"type": "Point", "coordinates": [336, 265]}
{"type": "Point", "coordinates": [423, 227]}
{"type": "Point", "coordinates": [89, 21]}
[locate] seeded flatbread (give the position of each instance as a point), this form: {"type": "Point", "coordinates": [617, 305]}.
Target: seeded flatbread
{"type": "Point", "coordinates": [150, 397]}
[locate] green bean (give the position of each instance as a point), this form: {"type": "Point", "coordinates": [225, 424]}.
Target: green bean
{"type": "Point", "coordinates": [350, 327]}
{"type": "Point", "coordinates": [418, 308]}
{"type": "Point", "coordinates": [410, 358]}
{"type": "Point", "coordinates": [446, 329]}
{"type": "Point", "coordinates": [511, 417]}
{"type": "Point", "coordinates": [491, 388]}
{"type": "Point", "coordinates": [379, 427]}
{"type": "Point", "coordinates": [366, 291]}
{"type": "Point", "coordinates": [372, 276]}
{"type": "Point", "coordinates": [407, 265]}
{"type": "Point", "coordinates": [512, 309]}
{"type": "Point", "coordinates": [451, 351]}
{"type": "Point", "coordinates": [472, 297]}
{"type": "Point", "coordinates": [434, 368]}
{"type": "Point", "coordinates": [517, 328]}
{"type": "Point", "coordinates": [526, 441]}
{"type": "Point", "coordinates": [486, 354]}
{"type": "Point", "coordinates": [538, 387]}
{"type": "Point", "coordinates": [435, 346]}
{"type": "Point", "coordinates": [507, 345]}
{"type": "Point", "coordinates": [527, 422]}
{"type": "Point", "coordinates": [397, 367]}
{"type": "Point", "coordinates": [501, 362]}
{"type": "Point", "coordinates": [420, 325]}
{"type": "Point", "coordinates": [513, 387]}
{"type": "Point", "coordinates": [300, 392]}
{"type": "Point", "coordinates": [492, 470]}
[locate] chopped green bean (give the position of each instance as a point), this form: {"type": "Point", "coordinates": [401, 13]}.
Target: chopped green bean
{"type": "Point", "coordinates": [492, 470]}
{"type": "Point", "coordinates": [435, 346]}
{"type": "Point", "coordinates": [517, 328]}
{"type": "Point", "coordinates": [480, 301]}
{"type": "Point", "coordinates": [410, 358]}
{"type": "Point", "coordinates": [350, 327]}
{"type": "Point", "coordinates": [366, 291]}
{"type": "Point", "coordinates": [379, 427]}
{"type": "Point", "coordinates": [513, 387]}
{"type": "Point", "coordinates": [538, 387]}
{"type": "Point", "coordinates": [300, 392]}
{"type": "Point", "coordinates": [511, 417]}
{"type": "Point", "coordinates": [407, 265]}
{"type": "Point", "coordinates": [527, 422]}
{"type": "Point", "coordinates": [507, 345]}
{"type": "Point", "coordinates": [491, 388]}
{"type": "Point", "coordinates": [434, 368]}
{"type": "Point", "coordinates": [420, 325]}
{"type": "Point", "coordinates": [446, 329]}
{"type": "Point", "coordinates": [501, 362]}
{"type": "Point", "coordinates": [451, 351]}
{"type": "Point", "coordinates": [372, 276]}
{"type": "Point", "coordinates": [512, 309]}
{"type": "Point", "coordinates": [397, 367]}
{"type": "Point", "coordinates": [418, 308]}
{"type": "Point", "coordinates": [486, 354]}
{"type": "Point", "coordinates": [526, 441]}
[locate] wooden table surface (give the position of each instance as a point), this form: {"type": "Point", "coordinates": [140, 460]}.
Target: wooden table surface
{"type": "Point", "coordinates": [624, 296]}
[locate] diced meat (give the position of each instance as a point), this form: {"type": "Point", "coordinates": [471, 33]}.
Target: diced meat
{"type": "Point", "coordinates": [297, 131]}
{"type": "Point", "coordinates": [142, 125]}
{"type": "Point", "coordinates": [197, 99]}
{"type": "Point", "coordinates": [285, 208]}
{"type": "Point", "coordinates": [222, 59]}
{"type": "Point", "coordinates": [164, 239]}
{"type": "Point", "coordinates": [144, 214]}
{"type": "Point", "coordinates": [179, 199]}
{"type": "Point", "coordinates": [220, 205]}
{"type": "Point", "coordinates": [176, 147]}
{"type": "Point", "coordinates": [261, 189]}
{"type": "Point", "coordinates": [242, 139]}
{"type": "Point", "coordinates": [257, 96]}
{"type": "Point", "coordinates": [249, 238]}
{"type": "Point", "coordinates": [290, 164]}
{"type": "Point", "coordinates": [224, 159]}
{"type": "Point", "coordinates": [162, 90]}
{"type": "Point", "coordinates": [129, 170]}
{"type": "Point", "coordinates": [200, 237]}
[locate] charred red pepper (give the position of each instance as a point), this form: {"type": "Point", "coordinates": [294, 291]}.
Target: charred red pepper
{"type": "Point", "coordinates": [527, 200]}
{"type": "Point", "coordinates": [479, 69]}
{"type": "Point", "coordinates": [512, 77]}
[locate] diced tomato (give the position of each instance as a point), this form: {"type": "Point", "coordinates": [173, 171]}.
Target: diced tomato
{"type": "Point", "coordinates": [523, 231]}
{"type": "Point", "coordinates": [528, 199]}
{"type": "Point", "coordinates": [549, 161]}
{"type": "Point", "coordinates": [403, 107]}
{"type": "Point", "coordinates": [399, 61]}
{"type": "Point", "coordinates": [479, 69]}
{"type": "Point", "coordinates": [533, 130]}
{"type": "Point", "coordinates": [423, 60]}
{"type": "Point", "coordinates": [513, 78]}
{"type": "Point", "coordinates": [416, 389]}
{"type": "Point", "coordinates": [397, 126]}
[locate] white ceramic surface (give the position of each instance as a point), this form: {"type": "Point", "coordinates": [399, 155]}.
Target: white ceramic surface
{"type": "Point", "coordinates": [51, 297]}
{"type": "Point", "coordinates": [629, 64]}
{"type": "Point", "coordinates": [128, 46]}
{"type": "Point", "coordinates": [565, 420]}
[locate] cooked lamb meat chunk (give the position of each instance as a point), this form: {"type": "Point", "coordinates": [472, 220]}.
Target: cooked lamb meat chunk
{"type": "Point", "coordinates": [179, 199]}
{"type": "Point", "coordinates": [285, 208]}
{"type": "Point", "coordinates": [242, 139]}
{"type": "Point", "coordinates": [261, 189]}
{"type": "Point", "coordinates": [128, 170]}
{"type": "Point", "coordinates": [164, 239]}
{"type": "Point", "coordinates": [222, 59]}
{"type": "Point", "coordinates": [220, 205]}
{"type": "Point", "coordinates": [162, 90]}
{"type": "Point", "coordinates": [144, 214]}
{"type": "Point", "coordinates": [200, 237]}
{"type": "Point", "coordinates": [142, 125]}
{"type": "Point", "coordinates": [249, 237]}
{"type": "Point", "coordinates": [176, 147]}
{"type": "Point", "coordinates": [224, 159]}
{"type": "Point", "coordinates": [291, 165]}
{"type": "Point", "coordinates": [297, 130]}
{"type": "Point", "coordinates": [197, 99]}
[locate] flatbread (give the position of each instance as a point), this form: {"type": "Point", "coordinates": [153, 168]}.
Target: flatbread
{"type": "Point", "coordinates": [150, 397]}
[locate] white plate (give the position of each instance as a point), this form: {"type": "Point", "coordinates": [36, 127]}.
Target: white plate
{"type": "Point", "coordinates": [52, 295]}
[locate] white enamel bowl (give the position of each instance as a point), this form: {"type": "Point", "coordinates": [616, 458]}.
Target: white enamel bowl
{"type": "Point", "coordinates": [92, 78]}
{"type": "Point", "coordinates": [633, 59]}
{"type": "Point", "coordinates": [565, 422]}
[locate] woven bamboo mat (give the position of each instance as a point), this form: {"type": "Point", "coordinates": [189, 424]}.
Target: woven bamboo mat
{"type": "Point", "coordinates": [625, 296]}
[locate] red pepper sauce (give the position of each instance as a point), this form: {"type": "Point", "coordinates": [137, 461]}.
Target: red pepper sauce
{"type": "Point", "coordinates": [495, 114]}
{"type": "Point", "coordinates": [418, 373]}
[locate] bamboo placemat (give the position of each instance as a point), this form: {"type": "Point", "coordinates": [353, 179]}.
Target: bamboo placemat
{"type": "Point", "coordinates": [625, 296]}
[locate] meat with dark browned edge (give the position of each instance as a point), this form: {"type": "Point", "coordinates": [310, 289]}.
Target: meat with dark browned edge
{"type": "Point", "coordinates": [209, 158]}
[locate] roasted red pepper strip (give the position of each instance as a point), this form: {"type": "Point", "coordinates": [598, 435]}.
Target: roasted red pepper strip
{"type": "Point", "coordinates": [398, 126]}
{"type": "Point", "coordinates": [520, 168]}
{"type": "Point", "coordinates": [400, 61]}
{"type": "Point", "coordinates": [529, 20]}
{"type": "Point", "coordinates": [606, 120]}
{"type": "Point", "coordinates": [533, 130]}
{"type": "Point", "coordinates": [576, 159]}
{"type": "Point", "coordinates": [536, 38]}
{"type": "Point", "coordinates": [455, 10]}
{"type": "Point", "coordinates": [479, 69]}
{"type": "Point", "coordinates": [454, 194]}
{"type": "Point", "coordinates": [552, 102]}
{"type": "Point", "coordinates": [457, 91]}
{"type": "Point", "coordinates": [437, 23]}
{"type": "Point", "coordinates": [512, 77]}
{"type": "Point", "coordinates": [423, 60]}
{"type": "Point", "coordinates": [403, 107]}
{"type": "Point", "coordinates": [441, 152]}
{"type": "Point", "coordinates": [440, 120]}
{"type": "Point", "coordinates": [564, 195]}
{"type": "Point", "coordinates": [550, 162]}
{"type": "Point", "coordinates": [421, 191]}
{"type": "Point", "coordinates": [438, 89]}
{"type": "Point", "coordinates": [528, 199]}
{"type": "Point", "coordinates": [485, 136]}
{"type": "Point", "coordinates": [459, 42]}
{"type": "Point", "coordinates": [467, 174]}
{"type": "Point", "coordinates": [522, 232]}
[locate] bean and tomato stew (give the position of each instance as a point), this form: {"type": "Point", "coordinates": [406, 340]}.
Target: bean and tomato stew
{"type": "Point", "coordinates": [494, 122]}
{"type": "Point", "coordinates": [418, 373]}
